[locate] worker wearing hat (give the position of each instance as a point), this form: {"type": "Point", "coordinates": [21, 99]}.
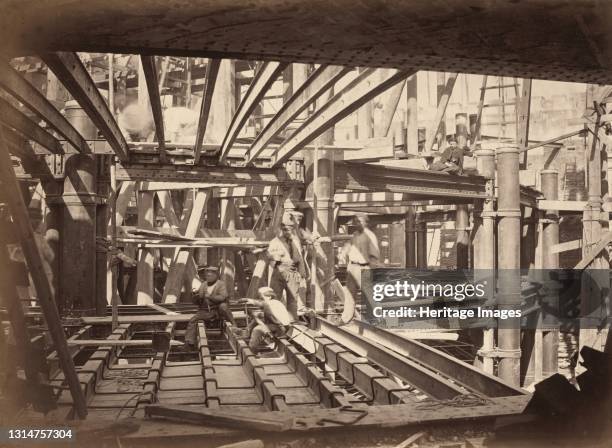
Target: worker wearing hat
{"type": "Point", "coordinates": [265, 325]}
{"type": "Point", "coordinates": [451, 160]}
{"type": "Point", "coordinates": [288, 270]}
{"type": "Point", "coordinates": [212, 300]}
{"type": "Point", "coordinates": [362, 252]}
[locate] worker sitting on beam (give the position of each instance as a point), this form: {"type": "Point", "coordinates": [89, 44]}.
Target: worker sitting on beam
{"type": "Point", "coordinates": [451, 160]}
{"type": "Point", "coordinates": [270, 319]}
{"type": "Point", "coordinates": [212, 300]}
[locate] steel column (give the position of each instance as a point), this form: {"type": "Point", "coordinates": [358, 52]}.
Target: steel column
{"type": "Point", "coordinates": [509, 286]}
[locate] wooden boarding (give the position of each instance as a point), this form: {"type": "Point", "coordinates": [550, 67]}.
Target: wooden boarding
{"type": "Point", "coordinates": [606, 239]}
{"type": "Point", "coordinates": [117, 343]}
{"type": "Point", "coordinates": [442, 105]}
{"type": "Point", "coordinates": [152, 318]}
{"type": "Point", "coordinates": [176, 274]}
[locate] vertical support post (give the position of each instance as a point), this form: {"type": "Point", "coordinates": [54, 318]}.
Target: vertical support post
{"type": "Point", "coordinates": [77, 280]}
{"type": "Point", "coordinates": [421, 243]}
{"type": "Point", "coordinates": [509, 286]}
{"type": "Point", "coordinates": [440, 137]}
{"type": "Point", "coordinates": [113, 239]}
{"type": "Point", "coordinates": [484, 242]}
{"type": "Point", "coordinates": [34, 261]}
{"type": "Point", "coordinates": [322, 187]}
{"type": "Point", "coordinates": [365, 115]}
{"type": "Point", "coordinates": [550, 260]}
{"type": "Point", "coordinates": [410, 227]}
{"type": "Point", "coordinates": [412, 125]}
{"type": "Point", "coordinates": [228, 256]}
{"type": "Point", "coordinates": [146, 216]}
{"type": "Point", "coordinates": [462, 224]}
{"type": "Point", "coordinates": [593, 290]}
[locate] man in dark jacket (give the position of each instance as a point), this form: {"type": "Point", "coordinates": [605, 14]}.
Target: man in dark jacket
{"type": "Point", "coordinates": [451, 160]}
{"type": "Point", "coordinates": [212, 300]}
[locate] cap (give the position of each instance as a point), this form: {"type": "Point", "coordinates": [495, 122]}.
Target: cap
{"type": "Point", "coordinates": [288, 220]}
{"type": "Point", "coordinates": [452, 138]}
{"type": "Point", "coordinates": [266, 291]}
{"type": "Point", "coordinates": [209, 269]}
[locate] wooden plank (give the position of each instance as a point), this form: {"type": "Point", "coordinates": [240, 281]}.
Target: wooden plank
{"type": "Point", "coordinates": [165, 200]}
{"type": "Point", "coordinates": [564, 206]}
{"type": "Point", "coordinates": [389, 109]}
{"type": "Point", "coordinates": [373, 150]}
{"type": "Point", "coordinates": [358, 92]}
{"type": "Point", "coordinates": [34, 260]}
{"type": "Point", "coordinates": [14, 118]}
{"type": "Point", "coordinates": [606, 239]}
{"type": "Point", "coordinates": [567, 246]}
{"type": "Point", "coordinates": [115, 343]}
{"type": "Point", "coordinates": [442, 105]}
{"type": "Point", "coordinates": [322, 79]}
{"type": "Point", "coordinates": [262, 82]}
{"type": "Point", "coordinates": [74, 76]}
{"type": "Point", "coordinates": [147, 318]}
{"type": "Point", "coordinates": [483, 91]}
{"type": "Point", "coordinates": [523, 112]}
{"type": "Point", "coordinates": [183, 257]}
{"type": "Point", "coordinates": [123, 200]}
{"type": "Point", "coordinates": [146, 218]}
{"type": "Point", "coordinates": [212, 70]}
{"type": "Point", "coordinates": [29, 96]}
{"type": "Point", "coordinates": [150, 73]}
{"type": "Point", "coordinates": [166, 311]}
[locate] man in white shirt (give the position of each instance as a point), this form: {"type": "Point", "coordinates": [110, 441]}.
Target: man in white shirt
{"type": "Point", "coordinates": [287, 266]}
{"type": "Point", "coordinates": [361, 253]}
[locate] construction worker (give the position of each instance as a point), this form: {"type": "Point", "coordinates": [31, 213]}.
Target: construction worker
{"type": "Point", "coordinates": [288, 270]}
{"type": "Point", "coordinates": [362, 252]}
{"type": "Point", "coordinates": [265, 325]}
{"type": "Point", "coordinates": [451, 160]}
{"type": "Point", "coordinates": [212, 300]}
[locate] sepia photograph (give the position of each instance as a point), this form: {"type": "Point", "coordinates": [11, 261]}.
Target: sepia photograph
{"type": "Point", "coordinates": [305, 223]}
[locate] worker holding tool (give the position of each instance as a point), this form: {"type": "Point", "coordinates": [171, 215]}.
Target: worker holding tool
{"type": "Point", "coordinates": [269, 319]}
{"type": "Point", "coordinates": [288, 271]}
{"type": "Point", "coordinates": [362, 252]}
{"type": "Point", "coordinates": [451, 160]}
{"type": "Point", "coordinates": [212, 300]}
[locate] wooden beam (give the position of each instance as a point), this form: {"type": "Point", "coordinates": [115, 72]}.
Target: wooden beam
{"type": "Point", "coordinates": [524, 109]}
{"type": "Point", "coordinates": [146, 260]}
{"type": "Point", "coordinates": [150, 73]}
{"type": "Point", "coordinates": [442, 105]}
{"type": "Point", "coordinates": [358, 92]}
{"type": "Point", "coordinates": [562, 206]}
{"type": "Point", "coordinates": [262, 82]}
{"type": "Point", "coordinates": [212, 70]}
{"type": "Point", "coordinates": [322, 79]}
{"type": "Point", "coordinates": [14, 118]}
{"type": "Point", "coordinates": [176, 273]}
{"type": "Point", "coordinates": [74, 76]}
{"type": "Point", "coordinates": [555, 140]}
{"type": "Point", "coordinates": [29, 96]}
{"type": "Point", "coordinates": [389, 109]}
{"type": "Point", "coordinates": [483, 91]}
{"type": "Point", "coordinates": [34, 260]}
{"type": "Point", "coordinates": [568, 245]}
{"type": "Point", "coordinates": [606, 239]}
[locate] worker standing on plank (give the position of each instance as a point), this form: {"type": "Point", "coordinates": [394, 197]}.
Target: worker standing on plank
{"type": "Point", "coordinates": [212, 300]}
{"type": "Point", "coordinates": [362, 252]}
{"type": "Point", "coordinates": [451, 160]}
{"type": "Point", "coordinates": [287, 267]}
{"type": "Point", "coordinates": [265, 325]}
